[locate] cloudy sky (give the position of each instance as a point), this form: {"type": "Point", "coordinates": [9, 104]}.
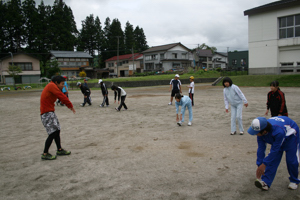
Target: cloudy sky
{"type": "Point", "coordinates": [218, 23]}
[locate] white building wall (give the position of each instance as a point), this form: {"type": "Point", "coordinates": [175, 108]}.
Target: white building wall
{"type": "Point", "coordinates": [266, 51]}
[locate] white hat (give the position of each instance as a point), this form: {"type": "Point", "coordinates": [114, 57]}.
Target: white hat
{"type": "Point", "coordinates": [78, 83]}
{"type": "Point", "coordinates": [177, 75]}
{"type": "Point", "coordinates": [100, 80]}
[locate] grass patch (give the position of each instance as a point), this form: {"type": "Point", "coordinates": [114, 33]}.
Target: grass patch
{"type": "Point", "coordinates": [265, 80]}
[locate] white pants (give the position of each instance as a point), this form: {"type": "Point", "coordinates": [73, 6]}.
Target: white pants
{"type": "Point", "coordinates": [236, 114]}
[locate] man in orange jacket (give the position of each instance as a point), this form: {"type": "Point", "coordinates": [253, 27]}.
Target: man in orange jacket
{"type": "Point", "coordinates": [51, 92]}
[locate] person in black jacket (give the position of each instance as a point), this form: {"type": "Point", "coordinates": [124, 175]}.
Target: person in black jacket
{"type": "Point", "coordinates": [104, 93]}
{"type": "Point", "coordinates": [86, 93]}
{"type": "Point", "coordinates": [276, 101]}
{"type": "Point", "coordinates": [121, 95]}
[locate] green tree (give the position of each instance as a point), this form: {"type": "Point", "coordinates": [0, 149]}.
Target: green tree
{"type": "Point", "coordinates": [105, 54]}
{"type": "Point", "coordinates": [115, 39]}
{"type": "Point", "coordinates": [99, 41]}
{"type": "Point", "coordinates": [129, 38]}
{"type": "Point", "coordinates": [52, 68]}
{"type": "Point", "coordinates": [3, 27]}
{"type": "Point", "coordinates": [140, 39]}
{"type": "Point", "coordinates": [62, 27]}
{"type": "Point", "coordinates": [87, 35]}
{"type": "Point", "coordinates": [31, 25]}
{"type": "Point", "coordinates": [15, 26]}
{"type": "Point", "coordinates": [14, 71]}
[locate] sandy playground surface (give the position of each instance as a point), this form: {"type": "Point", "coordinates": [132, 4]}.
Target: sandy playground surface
{"type": "Point", "coordinates": [136, 154]}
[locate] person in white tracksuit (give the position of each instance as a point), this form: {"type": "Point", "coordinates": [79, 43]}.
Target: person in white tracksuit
{"type": "Point", "coordinates": [184, 102]}
{"type": "Point", "coordinates": [234, 96]}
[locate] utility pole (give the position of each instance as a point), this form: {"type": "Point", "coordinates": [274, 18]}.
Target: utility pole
{"type": "Point", "coordinates": [132, 59]}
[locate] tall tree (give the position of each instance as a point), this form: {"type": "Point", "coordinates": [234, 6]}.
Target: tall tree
{"type": "Point", "coordinates": [62, 27]}
{"type": "Point", "coordinates": [31, 25]}
{"type": "Point", "coordinates": [15, 25]}
{"type": "Point", "coordinates": [140, 39]}
{"type": "Point", "coordinates": [3, 27]}
{"type": "Point", "coordinates": [116, 39]}
{"type": "Point", "coordinates": [129, 38]}
{"type": "Point", "coordinates": [99, 40]}
{"type": "Point", "coordinates": [87, 35]}
{"type": "Point", "coordinates": [105, 45]}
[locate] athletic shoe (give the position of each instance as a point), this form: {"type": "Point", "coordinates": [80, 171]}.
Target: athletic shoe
{"type": "Point", "coordinates": [117, 109]}
{"type": "Point", "coordinates": [62, 152]}
{"type": "Point", "coordinates": [170, 103]}
{"type": "Point", "coordinates": [190, 124]}
{"type": "Point", "coordinates": [179, 123]}
{"type": "Point", "coordinates": [48, 156]}
{"type": "Point", "coordinates": [107, 105]}
{"type": "Point", "coordinates": [293, 186]}
{"type": "Point", "coordinates": [241, 133]}
{"type": "Point", "coordinates": [101, 105]}
{"type": "Point", "coordinates": [233, 133]}
{"type": "Point", "coordinates": [125, 109]}
{"type": "Point", "coordinates": [89, 104]}
{"type": "Point", "coordinates": [81, 105]}
{"type": "Point", "coordinates": [261, 184]}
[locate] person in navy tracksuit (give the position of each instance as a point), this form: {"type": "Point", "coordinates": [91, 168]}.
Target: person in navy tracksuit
{"type": "Point", "coordinates": [175, 86]}
{"type": "Point", "coordinates": [283, 135]}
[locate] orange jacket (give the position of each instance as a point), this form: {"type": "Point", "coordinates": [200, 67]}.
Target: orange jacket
{"type": "Point", "coordinates": [48, 97]}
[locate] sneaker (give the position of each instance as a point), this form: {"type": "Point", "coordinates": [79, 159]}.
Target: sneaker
{"type": "Point", "coordinates": [261, 184]}
{"type": "Point", "coordinates": [48, 156]}
{"type": "Point", "coordinates": [170, 103]}
{"type": "Point", "coordinates": [107, 105]}
{"type": "Point", "coordinates": [179, 123]}
{"type": "Point", "coordinates": [190, 124]}
{"type": "Point", "coordinates": [81, 105]}
{"type": "Point", "coordinates": [125, 109]}
{"type": "Point", "coordinates": [101, 105]}
{"type": "Point", "coordinates": [233, 133]}
{"type": "Point", "coordinates": [117, 109]}
{"type": "Point", "coordinates": [241, 133]}
{"type": "Point", "coordinates": [89, 104]}
{"type": "Point", "coordinates": [62, 152]}
{"type": "Point", "coordinates": [293, 186]}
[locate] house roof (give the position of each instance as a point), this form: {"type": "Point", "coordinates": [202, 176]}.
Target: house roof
{"type": "Point", "coordinates": [70, 54]}
{"type": "Point", "coordinates": [19, 53]}
{"type": "Point", "coordinates": [164, 47]}
{"type": "Point", "coordinates": [204, 52]}
{"type": "Point", "coordinates": [272, 6]}
{"type": "Point", "coordinates": [125, 57]}
{"type": "Point", "coordinates": [225, 54]}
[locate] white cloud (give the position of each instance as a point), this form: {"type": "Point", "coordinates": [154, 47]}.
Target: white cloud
{"type": "Point", "coordinates": [219, 23]}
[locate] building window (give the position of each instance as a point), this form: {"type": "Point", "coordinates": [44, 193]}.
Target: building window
{"type": "Point", "coordinates": [162, 56]}
{"type": "Point", "coordinates": [289, 26]}
{"type": "Point", "coordinates": [184, 55]}
{"type": "Point", "coordinates": [24, 66]}
{"type": "Point", "coordinates": [152, 57]}
{"type": "Point", "coordinates": [243, 62]}
{"type": "Point", "coordinates": [234, 61]}
{"type": "Point", "coordinates": [149, 66]}
{"type": "Point", "coordinates": [174, 55]}
{"type": "Point", "coordinates": [287, 64]}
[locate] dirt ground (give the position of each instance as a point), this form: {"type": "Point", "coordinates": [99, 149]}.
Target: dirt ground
{"type": "Point", "coordinates": [136, 154]}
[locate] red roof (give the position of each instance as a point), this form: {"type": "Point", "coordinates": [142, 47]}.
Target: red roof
{"type": "Point", "coordinates": [125, 57]}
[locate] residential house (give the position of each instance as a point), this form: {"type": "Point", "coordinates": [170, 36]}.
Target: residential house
{"type": "Point", "coordinates": [166, 57]}
{"type": "Point", "coordinates": [71, 63]}
{"type": "Point", "coordinates": [220, 60]}
{"type": "Point", "coordinates": [274, 38]}
{"type": "Point", "coordinates": [203, 58]}
{"type": "Point", "coordinates": [29, 65]}
{"type": "Point", "coordinates": [238, 60]}
{"type": "Point", "coordinates": [127, 64]}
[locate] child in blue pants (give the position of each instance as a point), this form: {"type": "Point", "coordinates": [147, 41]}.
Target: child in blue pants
{"type": "Point", "coordinates": [283, 135]}
{"type": "Point", "coordinates": [184, 102]}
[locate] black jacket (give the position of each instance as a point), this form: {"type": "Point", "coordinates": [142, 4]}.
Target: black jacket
{"type": "Point", "coordinates": [103, 89]}
{"type": "Point", "coordinates": [276, 103]}
{"type": "Point", "coordinates": [85, 90]}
